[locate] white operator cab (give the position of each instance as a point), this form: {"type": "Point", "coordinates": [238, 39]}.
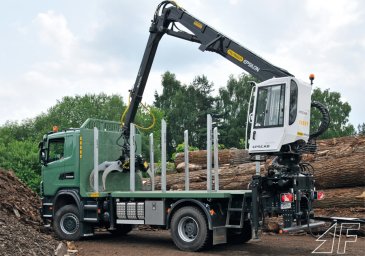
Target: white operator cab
{"type": "Point", "coordinates": [281, 114]}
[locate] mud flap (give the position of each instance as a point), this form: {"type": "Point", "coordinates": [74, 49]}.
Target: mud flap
{"type": "Point", "coordinates": [219, 235]}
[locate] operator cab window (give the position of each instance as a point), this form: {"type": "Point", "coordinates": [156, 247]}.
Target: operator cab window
{"type": "Point", "coordinates": [56, 149]}
{"type": "Point", "coordinates": [270, 106]}
{"type": "Point", "coordinates": [293, 102]}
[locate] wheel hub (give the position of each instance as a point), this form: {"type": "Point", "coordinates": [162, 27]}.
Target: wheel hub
{"type": "Point", "coordinates": [69, 223]}
{"type": "Point", "coordinates": [188, 229]}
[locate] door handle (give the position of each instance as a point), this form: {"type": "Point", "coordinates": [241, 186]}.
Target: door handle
{"type": "Point", "coordinates": [254, 135]}
{"type": "Point", "coordinates": [67, 176]}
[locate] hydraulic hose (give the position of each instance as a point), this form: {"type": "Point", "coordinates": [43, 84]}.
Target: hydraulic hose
{"type": "Point", "coordinates": [325, 122]}
{"type": "Point", "coordinates": [138, 126]}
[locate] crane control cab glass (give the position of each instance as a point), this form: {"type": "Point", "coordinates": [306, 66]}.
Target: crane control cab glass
{"type": "Point", "coordinates": [270, 106]}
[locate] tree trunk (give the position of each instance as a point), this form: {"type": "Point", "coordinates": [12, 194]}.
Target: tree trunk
{"type": "Point", "coordinates": [338, 163]}
{"type": "Point", "coordinates": [225, 156]}
{"type": "Point", "coordinates": [230, 177]}
{"type": "Point", "coordinates": [340, 172]}
{"type": "Point", "coordinates": [342, 198]}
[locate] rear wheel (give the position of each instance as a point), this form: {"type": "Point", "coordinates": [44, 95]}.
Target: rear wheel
{"type": "Point", "coordinates": [189, 229]}
{"type": "Point", "coordinates": [66, 223]}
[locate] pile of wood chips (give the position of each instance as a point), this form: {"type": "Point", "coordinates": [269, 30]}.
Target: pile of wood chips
{"type": "Point", "coordinates": [21, 231]}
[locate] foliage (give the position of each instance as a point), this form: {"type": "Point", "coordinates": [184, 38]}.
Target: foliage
{"type": "Point", "coordinates": [170, 167]}
{"type": "Point", "coordinates": [232, 104]}
{"type": "Point", "coordinates": [185, 108]}
{"type": "Point", "coordinates": [22, 157]}
{"type": "Point", "coordinates": [339, 114]}
{"type": "Point", "coordinates": [18, 144]}
{"type": "Point", "coordinates": [144, 119]}
{"type": "Point", "coordinates": [361, 129]}
{"type": "Point", "coordinates": [67, 113]}
{"type": "Point", "coordinates": [73, 111]}
{"type": "Point", "coordinates": [181, 148]}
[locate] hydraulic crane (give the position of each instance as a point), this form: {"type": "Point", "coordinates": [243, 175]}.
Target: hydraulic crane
{"type": "Point", "coordinates": [270, 108]}
{"type": "Point", "coordinates": [280, 120]}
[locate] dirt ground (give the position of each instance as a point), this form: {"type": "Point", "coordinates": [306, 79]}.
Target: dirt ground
{"type": "Point", "coordinates": [159, 243]}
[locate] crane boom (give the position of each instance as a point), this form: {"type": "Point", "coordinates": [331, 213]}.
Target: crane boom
{"type": "Point", "coordinates": [209, 39]}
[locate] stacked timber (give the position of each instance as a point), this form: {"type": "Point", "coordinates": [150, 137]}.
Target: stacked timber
{"type": "Point", "coordinates": [199, 158]}
{"type": "Point", "coordinates": [340, 171]}
{"type": "Point", "coordinates": [230, 177]}
{"type": "Point", "coordinates": [339, 166]}
{"type": "Point", "coordinates": [339, 162]}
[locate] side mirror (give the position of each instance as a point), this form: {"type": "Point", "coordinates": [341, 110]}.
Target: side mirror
{"type": "Point", "coordinates": [42, 154]}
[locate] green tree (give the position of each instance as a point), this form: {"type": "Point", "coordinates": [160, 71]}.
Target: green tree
{"type": "Point", "coordinates": [22, 158]}
{"type": "Point", "coordinates": [169, 101]}
{"type": "Point", "coordinates": [185, 108]}
{"type": "Point", "coordinates": [232, 103]}
{"type": "Point", "coordinates": [361, 129]}
{"type": "Point", "coordinates": [73, 111]}
{"type": "Point", "coordinates": [19, 141]}
{"type": "Point", "coordinates": [339, 113]}
{"type": "Point", "coordinates": [144, 119]}
{"type": "Point", "coordinates": [68, 112]}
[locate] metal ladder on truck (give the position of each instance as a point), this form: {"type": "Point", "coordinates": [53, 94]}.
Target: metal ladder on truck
{"type": "Point", "coordinates": [232, 209]}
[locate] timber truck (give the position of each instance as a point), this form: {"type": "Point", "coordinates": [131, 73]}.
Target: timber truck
{"type": "Point", "coordinates": [92, 175]}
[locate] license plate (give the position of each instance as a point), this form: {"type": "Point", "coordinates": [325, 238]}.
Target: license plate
{"type": "Point", "coordinates": [285, 205]}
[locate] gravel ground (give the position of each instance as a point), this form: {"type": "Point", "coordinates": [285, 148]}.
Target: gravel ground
{"type": "Point", "coordinates": [140, 242]}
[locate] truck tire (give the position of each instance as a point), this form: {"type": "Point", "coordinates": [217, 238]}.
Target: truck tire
{"type": "Point", "coordinates": [189, 229]}
{"type": "Point", "coordinates": [121, 230]}
{"type": "Point", "coordinates": [240, 236]}
{"type": "Point", "coordinates": [66, 223]}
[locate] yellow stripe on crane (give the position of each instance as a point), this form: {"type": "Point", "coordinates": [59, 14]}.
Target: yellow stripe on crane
{"type": "Point", "coordinates": [235, 55]}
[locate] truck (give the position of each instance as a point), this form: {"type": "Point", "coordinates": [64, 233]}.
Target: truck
{"type": "Point", "coordinates": [92, 175]}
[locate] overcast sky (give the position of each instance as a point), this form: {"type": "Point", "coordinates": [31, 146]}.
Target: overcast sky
{"type": "Point", "coordinates": [51, 49]}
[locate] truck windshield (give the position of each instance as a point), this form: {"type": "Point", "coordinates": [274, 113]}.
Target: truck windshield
{"type": "Point", "coordinates": [55, 149]}
{"type": "Point", "coordinates": [270, 106]}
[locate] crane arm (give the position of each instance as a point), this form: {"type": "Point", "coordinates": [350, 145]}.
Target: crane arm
{"type": "Point", "coordinates": [167, 14]}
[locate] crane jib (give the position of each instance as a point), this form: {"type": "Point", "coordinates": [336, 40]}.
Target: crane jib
{"type": "Point", "coordinates": [164, 22]}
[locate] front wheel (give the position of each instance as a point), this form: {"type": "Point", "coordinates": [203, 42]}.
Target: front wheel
{"type": "Point", "coordinates": [189, 229]}
{"type": "Point", "coordinates": [66, 223]}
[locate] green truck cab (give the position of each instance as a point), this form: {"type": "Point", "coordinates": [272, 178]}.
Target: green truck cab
{"type": "Point", "coordinates": [67, 163]}
{"type": "Point", "coordinates": [67, 158]}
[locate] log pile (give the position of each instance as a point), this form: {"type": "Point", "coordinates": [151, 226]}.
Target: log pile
{"type": "Point", "coordinates": [230, 177]}
{"type": "Point", "coordinates": [226, 156]}
{"type": "Point", "coordinates": [342, 198]}
{"type": "Point", "coordinates": [339, 162]}
{"type": "Point", "coordinates": [339, 171]}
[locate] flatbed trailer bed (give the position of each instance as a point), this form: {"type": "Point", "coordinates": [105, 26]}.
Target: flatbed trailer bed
{"type": "Point", "coordinates": [174, 194]}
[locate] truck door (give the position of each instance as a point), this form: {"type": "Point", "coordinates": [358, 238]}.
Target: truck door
{"type": "Point", "coordinates": [268, 123]}
{"type": "Point", "coordinates": [59, 171]}
{"type": "Point", "coordinates": [54, 164]}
